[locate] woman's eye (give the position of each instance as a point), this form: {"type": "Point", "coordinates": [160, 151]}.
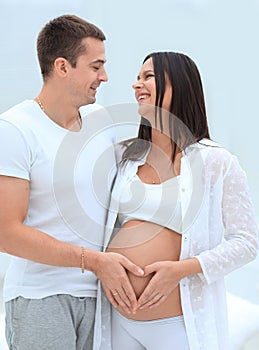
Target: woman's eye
{"type": "Point", "coordinates": [149, 76]}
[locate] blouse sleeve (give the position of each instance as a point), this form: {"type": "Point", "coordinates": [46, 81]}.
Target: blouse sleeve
{"type": "Point", "coordinates": [240, 242]}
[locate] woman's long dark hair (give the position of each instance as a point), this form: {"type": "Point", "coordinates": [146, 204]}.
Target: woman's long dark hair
{"type": "Point", "coordinates": [187, 117]}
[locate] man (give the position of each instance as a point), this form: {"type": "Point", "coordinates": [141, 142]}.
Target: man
{"type": "Point", "coordinates": [50, 304]}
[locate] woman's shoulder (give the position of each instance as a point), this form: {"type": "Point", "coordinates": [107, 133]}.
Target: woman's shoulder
{"type": "Point", "coordinates": [217, 158]}
{"type": "Point", "coordinates": [214, 150]}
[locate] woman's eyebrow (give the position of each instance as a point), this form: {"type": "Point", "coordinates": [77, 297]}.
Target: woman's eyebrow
{"type": "Point", "coordinates": [145, 72]}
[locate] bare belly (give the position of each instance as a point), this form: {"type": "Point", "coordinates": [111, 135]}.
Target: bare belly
{"type": "Point", "coordinates": [144, 243]}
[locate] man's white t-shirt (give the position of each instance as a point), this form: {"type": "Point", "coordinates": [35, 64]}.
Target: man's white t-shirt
{"type": "Point", "coordinates": [70, 176]}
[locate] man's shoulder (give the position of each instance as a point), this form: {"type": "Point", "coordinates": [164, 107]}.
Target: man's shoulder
{"type": "Point", "coordinates": [90, 108]}
{"type": "Point", "coordinates": [19, 112]}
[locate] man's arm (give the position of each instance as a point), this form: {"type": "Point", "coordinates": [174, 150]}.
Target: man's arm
{"type": "Point", "coordinates": [24, 241]}
{"type": "Point", "coordinates": [29, 243]}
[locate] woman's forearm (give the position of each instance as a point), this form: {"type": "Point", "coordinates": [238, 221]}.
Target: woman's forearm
{"type": "Point", "coordinates": [189, 267]}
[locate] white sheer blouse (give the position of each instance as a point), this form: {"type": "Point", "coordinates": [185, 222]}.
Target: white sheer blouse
{"type": "Point", "coordinates": [218, 228]}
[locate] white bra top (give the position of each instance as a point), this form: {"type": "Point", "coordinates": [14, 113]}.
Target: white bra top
{"type": "Point", "coordinates": [158, 203]}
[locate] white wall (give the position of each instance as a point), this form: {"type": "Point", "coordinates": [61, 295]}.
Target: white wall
{"type": "Point", "coordinates": [221, 37]}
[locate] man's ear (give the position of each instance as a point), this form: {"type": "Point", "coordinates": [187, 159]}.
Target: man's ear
{"type": "Point", "coordinates": [61, 66]}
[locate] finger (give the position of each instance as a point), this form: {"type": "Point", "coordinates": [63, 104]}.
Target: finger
{"type": "Point", "coordinates": [153, 296]}
{"type": "Point", "coordinates": [150, 268]}
{"type": "Point", "coordinates": [128, 295]}
{"type": "Point", "coordinates": [126, 291]}
{"type": "Point", "coordinates": [147, 294]}
{"type": "Point", "coordinates": [117, 297]}
{"type": "Point", "coordinates": [110, 297]}
{"type": "Point", "coordinates": [114, 292]}
{"type": "Point", "coordinates": [123, 296]}
{"type": "Point", "coordinates": [131, 296]}
{"type": "Point", "coordinates": [136, 270]}
{"type": "Point", "coordinates": [159, 302]}
{"type": "Point", "coordinates": [149, 303]}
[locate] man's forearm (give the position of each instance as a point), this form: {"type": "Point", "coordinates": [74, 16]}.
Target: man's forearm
{"type": "Point", "coordinates": [32, 244]}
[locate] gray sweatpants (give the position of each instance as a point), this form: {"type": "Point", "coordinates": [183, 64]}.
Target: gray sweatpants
{"type": "Point", "coordinates": [59, 322]}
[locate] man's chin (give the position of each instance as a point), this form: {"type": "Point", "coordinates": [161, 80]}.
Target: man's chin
{"type": "Point", "coordinates": [91, 100]}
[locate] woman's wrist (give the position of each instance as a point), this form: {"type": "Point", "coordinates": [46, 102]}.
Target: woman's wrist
{"type": "Point", "coordinates": [189, 267]}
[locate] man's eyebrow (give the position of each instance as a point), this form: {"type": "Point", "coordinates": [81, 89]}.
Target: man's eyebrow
{"type": "Point", "coordinates": [98, 61]}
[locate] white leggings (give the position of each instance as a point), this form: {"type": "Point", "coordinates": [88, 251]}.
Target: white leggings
{"type": "Point", "coordinates": [162, 334]}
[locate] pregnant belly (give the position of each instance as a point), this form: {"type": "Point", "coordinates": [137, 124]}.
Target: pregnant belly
{"type": "Point", "coordinates": [145, 243]}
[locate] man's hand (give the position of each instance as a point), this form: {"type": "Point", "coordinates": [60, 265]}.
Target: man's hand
{"type": "Point", "coordinates": [111, 269]}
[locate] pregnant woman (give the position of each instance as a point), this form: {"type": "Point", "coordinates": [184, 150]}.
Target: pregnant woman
{"type": "Point", "coordinates": [183, 213]}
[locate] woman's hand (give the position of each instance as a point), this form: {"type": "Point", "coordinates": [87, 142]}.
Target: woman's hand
{"type": "Point", "coordinates": [111, 269]}
{"type": "Point", "coordinates": [165, 279]}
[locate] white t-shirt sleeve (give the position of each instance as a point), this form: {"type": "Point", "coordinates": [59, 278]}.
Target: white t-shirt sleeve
{"type": "Point", "coordinates": [14, 152]}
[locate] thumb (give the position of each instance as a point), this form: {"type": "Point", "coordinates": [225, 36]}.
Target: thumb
{"type": "Point", "coordinates": [151, 268]}
{"type": "Point", "coordinates": [133, 268]}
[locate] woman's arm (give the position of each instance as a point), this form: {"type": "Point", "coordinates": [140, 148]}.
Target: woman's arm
{"type": "Point", "coordinates": [240, 244]}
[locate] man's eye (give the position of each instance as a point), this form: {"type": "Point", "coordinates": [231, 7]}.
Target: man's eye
{"type": "Point", "coordinates": [96, 68]}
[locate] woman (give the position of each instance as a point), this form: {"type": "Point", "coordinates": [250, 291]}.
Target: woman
{"type": "Point", "coordinates": [185, 214]}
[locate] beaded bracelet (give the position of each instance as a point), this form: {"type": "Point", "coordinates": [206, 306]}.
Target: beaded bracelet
{"type": "Point", "coordinates": [83, 259]}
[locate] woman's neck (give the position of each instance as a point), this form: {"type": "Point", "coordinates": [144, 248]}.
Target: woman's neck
{"type": "Point", "coordinates": [161, 143]}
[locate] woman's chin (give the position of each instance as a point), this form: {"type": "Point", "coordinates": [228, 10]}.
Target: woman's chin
{"type": "Point", "coordinates": [146, 110]}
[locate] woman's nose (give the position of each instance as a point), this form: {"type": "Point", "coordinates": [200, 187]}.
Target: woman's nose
{"type": "Point", "coordinates": [137, 85]}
